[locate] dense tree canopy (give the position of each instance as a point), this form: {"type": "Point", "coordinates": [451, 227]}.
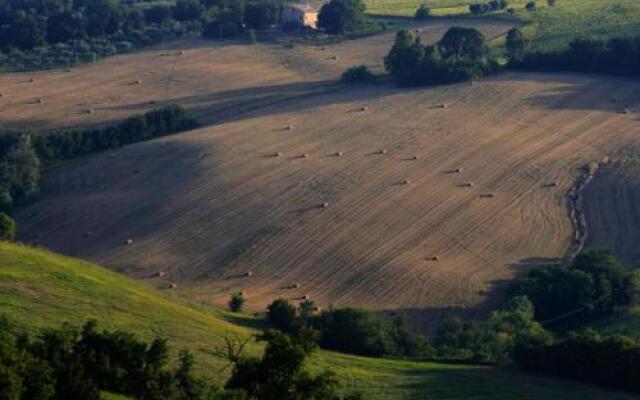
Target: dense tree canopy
{"type": "Point", "coordinates": [594, 286]}
{"type": "Point", "coordinates": [341, 16]}
{"type": "Point", "coordinates": [462, 54]}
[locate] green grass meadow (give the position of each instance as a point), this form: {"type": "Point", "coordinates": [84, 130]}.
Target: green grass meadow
{"type": "Point", "coordinates": [42, 289]}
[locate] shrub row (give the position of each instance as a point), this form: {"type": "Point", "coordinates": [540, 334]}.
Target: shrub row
{"type": "Point", "coordinates": [482, 8]}
{"type": "Point", "coordinates": [22, 154]}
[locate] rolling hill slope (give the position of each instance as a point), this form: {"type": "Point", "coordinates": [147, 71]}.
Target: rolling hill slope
{"type": "Point", "coordinates": [209, 205]}
{"type": "Point", "coordinates": [39, 289]}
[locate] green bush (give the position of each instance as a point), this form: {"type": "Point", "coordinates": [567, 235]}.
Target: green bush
{"type": "Point", "coordinates": [356, 75]}
{"type": "Point", "coordinates": [423, 12]}
{"type": "Point", "coordinates": [236, 303]}
{"type": "Point", "coordinates": [7, 228]}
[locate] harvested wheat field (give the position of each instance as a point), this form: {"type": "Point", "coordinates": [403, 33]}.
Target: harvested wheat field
{"type": "Point", "coordinates": [611, 205]}
{"type": "Point", "coordinates": [213, 79]}
{"type": "Point", "coordinates": [408, 204]}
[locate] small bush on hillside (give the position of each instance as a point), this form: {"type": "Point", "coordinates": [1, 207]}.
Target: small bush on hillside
{"type": "Point", "coordinates": [531, 6]}
{"type": "Point", "coordinates": [7, 228]}
{"type": "Point", "coordinates": [236, 303]}
{"type": "Point", "coordinates": [359, 74]}
{"type": "Point", "coordinates": [423, 12]}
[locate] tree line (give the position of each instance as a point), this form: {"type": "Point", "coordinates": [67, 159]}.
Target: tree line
{"type": "Point", "coordinates": [545, 313]}
{"type": "Point", "coordinates": [616, 56]}
{"type": "Point", "coordinates": [463, 54]}
{"type": "Point", "coordinates": [22, 154]}
{"type": "Point", "coordinates": [66, 32]}
{"type": "Point", "coordinates": [78, 363]}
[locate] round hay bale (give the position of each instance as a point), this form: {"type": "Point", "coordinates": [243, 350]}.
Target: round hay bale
{"type": "Point", "coordinates": [39, 100]}
{"type": "Point", "coordinates": [458, 170]}
{"type": "Point", "coordinates": [128, 242]}
{"type": "Point", "coordinates": [339, 154]}
{"type": "Point", "coordinates": [552, 184]}
{"type": "Point", "coordinates": [324, 205]}
{"type": "Point", "coordinates": [363, 108]}
{"type": "Point", "coordinates": [160, 274]}
{"type": "Point", "coordinates": [89, 111]}
{"type": "Point", "coordinates": [181, 53]}
{"type": "Point", "coordinates": [288, 127]}
{"type": "Point", "coordinates": [305, 297]}
{"type": "Point", "coordinates": [248, 274]}
{"type": "Point", "coordinates": [242, 293]}
{"type": "Point", "coordinates": [383, 151]}
{"type": "Point", "coordinates": [137, 82]}
{"type": "Point", "coordinates": [172, 286]}
{"type": "Point", "coordinates": [278, 154]}
{"type": "Point", "coordinates": [444, 105]}
{"type": "Point", "coordinates": [406, 182]}
{"type": "Point", "coordinates": [296, 286]}
{"type": "Point", "coordinates": [467, 184]}
{"type": "Point", "coordinates": [434, 258]}
{"type": "Point", "coordinates": [305, 155]}
{"type": "Point", "coordinates": [415, 158]}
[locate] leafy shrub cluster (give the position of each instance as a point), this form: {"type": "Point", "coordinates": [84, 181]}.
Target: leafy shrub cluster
{"type": "Point", "coordinates": [461, 54]}
{"type": "Point", "coordinates": [593, 287]}
{"type": "Point", "coordinates": [494, 339]}
{"type": "Point", "coordinates": [71, 363]}
{"type": "Point", "coordinates": [349, 330]}
{"type": "Point", "coordinates": [21, 154]}
{"type": "Point", "coordinates": [588, 356]}
{"type": "Point", "coordinates": [358, 75]}
{"type": "Point", "coordinates": [483, 8]}
{"type": "Point", "coordinates": [280, 373]}
{"type": "Point", "coordinates": [619, 56]}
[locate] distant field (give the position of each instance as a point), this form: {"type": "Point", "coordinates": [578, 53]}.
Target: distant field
{"type": "Point", "coordinates": [42, 289]}
{"type": "Point", "coordinates": [550, 27]}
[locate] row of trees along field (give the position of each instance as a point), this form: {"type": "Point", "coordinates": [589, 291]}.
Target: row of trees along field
{"type": "Point", "coordinates": [65, 32]}
{"type": "Point", "coordinates": [464, 54]}
{"type": "Point", "coordinates": [73, 363]}
{"type": "Point", "coordinates": [22, 154]}
{"type": "Point", "coordinates": [545, 314]}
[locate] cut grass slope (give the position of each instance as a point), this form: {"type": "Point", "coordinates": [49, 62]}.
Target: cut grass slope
{"type": "Point", "coordinates": [41, 289]}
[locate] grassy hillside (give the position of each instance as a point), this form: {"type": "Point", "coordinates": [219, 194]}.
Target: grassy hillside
{"type": "Point", "coordinates": [40, 289]}
{"type": "Point", "coordinates": [550, 27]}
